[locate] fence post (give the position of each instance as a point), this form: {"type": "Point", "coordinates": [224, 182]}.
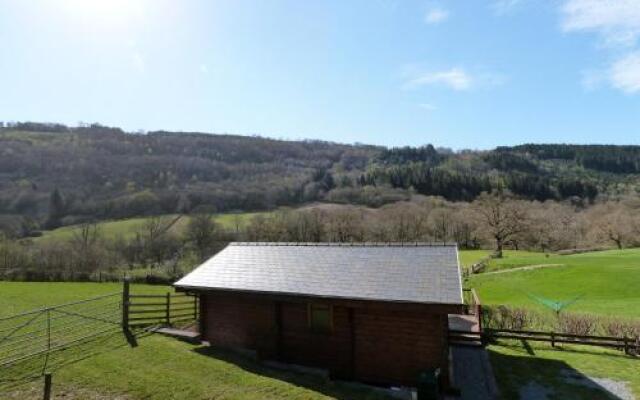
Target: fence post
{"type": "Point", "coordinates": [553, 339]}
{"type": "Point", "coordinates": [125, 305]}
{"type": "Point", "coordinates": [626, 345]}
{"type": "Point", "coordinates": [168, 311]}
{"type": "Point", "coordinates": [47, 386]}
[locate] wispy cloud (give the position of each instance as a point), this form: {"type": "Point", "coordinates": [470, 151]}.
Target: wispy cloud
{"type": "Point", "coordinates": [427, 106]}
{"type": "Point", "coordinates": [617, 26]}
{"type": "Point", "coordinates": [436, 15]}
{"type": "Point", "coordinates": [617, 22]}
{"type": "Point", "coordinates": [625, 73]}
{"type": "Point", "coordinates": [454, 78]}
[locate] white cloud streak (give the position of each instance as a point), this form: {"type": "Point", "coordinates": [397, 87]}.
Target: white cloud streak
{"type": "Point", "coordinates": [427, 106]}
{"type": "Point", "coordinates": [454, 78]}
{"type": "Point", "coordinates": [436, 16]}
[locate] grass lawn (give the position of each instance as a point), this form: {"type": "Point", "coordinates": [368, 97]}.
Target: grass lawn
{"type": "Point", "coordinates": [126, 228]}
{"type": "Point", "coordinates": [160, 368]}
{"type": "Point", "coordinates": [608, 281]}
{"type": "Point", "coordinates": [568, 371]}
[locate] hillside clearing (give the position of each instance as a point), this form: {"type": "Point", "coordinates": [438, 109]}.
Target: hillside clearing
{"type": "Point", "coordinates": [126, 228]}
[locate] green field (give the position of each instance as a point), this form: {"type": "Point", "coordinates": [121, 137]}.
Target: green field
{"type": "Point", "coordinates": [160, 368]}
{"type": "Point", "coordinates": [126, 228]}
{"type": "Point", "coordinates": [607, 281]}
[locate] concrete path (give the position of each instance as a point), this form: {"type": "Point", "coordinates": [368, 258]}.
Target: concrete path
{"type": "Point", "coordinates": [467, 323]}
{"type": "Point", "coordinates": [472, 373]}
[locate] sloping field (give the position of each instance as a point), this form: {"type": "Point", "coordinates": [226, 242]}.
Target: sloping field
{"type": "Point", "coordinates": [126, 228]}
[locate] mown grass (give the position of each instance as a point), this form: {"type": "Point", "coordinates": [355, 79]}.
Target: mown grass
{"type": "Point", "coordinates": [608, 282]}
{"type": "Point", "coordinates": [159, 368]}
{"type": "Point", "coordinates": [517, 364]}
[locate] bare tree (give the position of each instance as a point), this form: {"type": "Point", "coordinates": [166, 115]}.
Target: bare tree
{"type": "Point", "coordinates": [614, 223]}
{"type": "Point", "coordinates": [85, 246]}
{"type": "Point", "coordinates": [204, 234]}
{"type": "Point", "coordinates": [502, 218]}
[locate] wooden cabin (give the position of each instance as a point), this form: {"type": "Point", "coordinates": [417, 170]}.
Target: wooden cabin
{"type": "Point", "coordinates": [376, 313]}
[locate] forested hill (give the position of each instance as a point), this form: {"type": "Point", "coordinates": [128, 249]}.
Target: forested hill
{"type": "Point", "coordinates": [53, 175]}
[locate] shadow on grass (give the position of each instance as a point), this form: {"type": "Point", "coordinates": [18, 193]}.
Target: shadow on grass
{"type": "Point", "coordinates": [529, 378]}
{"type": "Point", "coordinates": [31, 369]}
{"type": "Point", "coordinates": [337, 390]}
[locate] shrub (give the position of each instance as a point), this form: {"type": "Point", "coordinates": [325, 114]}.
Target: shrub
{"type": "Point", "coordinates": [576, 324]}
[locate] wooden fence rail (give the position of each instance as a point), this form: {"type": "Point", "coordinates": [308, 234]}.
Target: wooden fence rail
{"type": "Point", "coordinates": [626, 344]}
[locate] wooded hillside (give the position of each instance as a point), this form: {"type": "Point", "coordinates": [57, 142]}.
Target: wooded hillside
{"type": "Point", "coordinates": [52, 175]}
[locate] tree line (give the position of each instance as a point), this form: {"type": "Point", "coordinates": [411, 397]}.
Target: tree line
{"type": "Point", "coordinates": [156, 250]}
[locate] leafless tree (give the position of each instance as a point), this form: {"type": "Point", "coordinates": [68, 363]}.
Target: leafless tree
{"type": "Point", "coordinates": [501, 217]}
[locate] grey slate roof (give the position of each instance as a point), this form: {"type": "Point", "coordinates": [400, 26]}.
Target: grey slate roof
{"type": "Point", "coordinates": [418, 273]}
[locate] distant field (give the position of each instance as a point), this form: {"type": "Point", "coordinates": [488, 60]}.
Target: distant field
{"type": "Point", "coordinates": [470, 257]}
{"type": "Point", "coordinates": [127, 228]}
{"type": "Point", "coordinates": [159, 368]}
{"type": "Point", "coordinates": [608, 281]}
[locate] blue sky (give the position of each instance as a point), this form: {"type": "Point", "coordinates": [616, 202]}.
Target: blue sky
{"type": "Point", "coordinates": [460, 74]}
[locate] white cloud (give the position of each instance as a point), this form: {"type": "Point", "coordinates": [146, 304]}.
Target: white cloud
{"type": "Point", "coordinates": [617, 25]}
{"type": "Point", "coordinates": [427, 106]}
{"type": "Point", "coordinates": [617, 22]}
{"type": "Point", "coordinates": [455, 78]}
{"type": "Point", "coordinates": [436, 15]}
{"type": "Point", "coordinates": [624, 74]}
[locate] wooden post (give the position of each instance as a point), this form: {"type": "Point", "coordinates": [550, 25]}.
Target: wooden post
{"type": "Point", "coordinates": [125, 305]}
{"type": "Point", "coordinates": [553, 340]}
{"type": "Point", "coordinates": [168, 310]}
{"type": "Point", "coordinates": [626, 345]}
{"type": "Point", "coordinates": [47, 386]}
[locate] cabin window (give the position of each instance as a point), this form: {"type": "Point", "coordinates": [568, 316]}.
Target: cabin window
{"type": "Point", "coordinates": [320, 318]}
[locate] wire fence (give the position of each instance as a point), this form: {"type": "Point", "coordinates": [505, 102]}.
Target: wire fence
{"type": "Point", "coordinates": [29, 340]}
